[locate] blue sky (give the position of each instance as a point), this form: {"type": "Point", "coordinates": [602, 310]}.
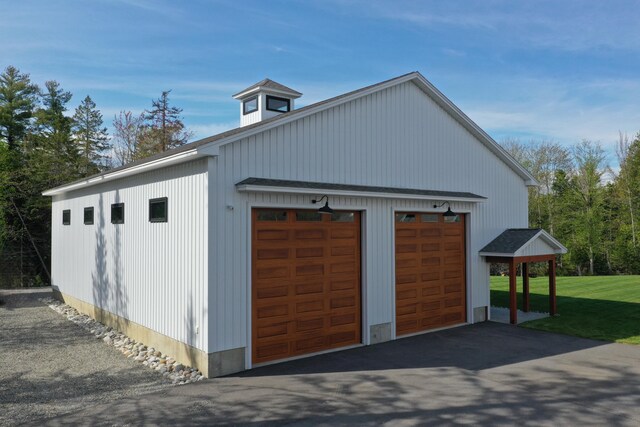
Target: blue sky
{"type": "Point", "coordinates": [551, 70]}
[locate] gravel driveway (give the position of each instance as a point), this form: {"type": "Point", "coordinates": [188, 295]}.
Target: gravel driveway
{"type": "Point", "coordinates": [50, 366]}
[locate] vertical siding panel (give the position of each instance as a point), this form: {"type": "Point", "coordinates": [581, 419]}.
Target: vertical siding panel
{"type": "Point", "coordinates": [149, 273]}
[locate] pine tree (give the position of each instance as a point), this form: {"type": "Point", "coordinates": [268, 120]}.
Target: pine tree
{"type": "Point", "coordinates": [164, 128]}
{"type": "Point", "coordinates": [53, 141]}
{"type": "Point", "coordinates": [17, 101]}
{"type": "Point", "coordinates": [91, 136]}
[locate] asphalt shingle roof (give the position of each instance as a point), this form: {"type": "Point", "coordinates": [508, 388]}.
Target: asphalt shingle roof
{"type": "Point", "coordinates": [510, 240]}
{"type": "Point", "coordinates": [266, 182]}
{"type": "Point", "coordinates": [270, 84]}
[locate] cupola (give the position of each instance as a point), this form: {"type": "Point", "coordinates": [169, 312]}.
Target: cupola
{"type": "Point", "coordinates": [264, 100]}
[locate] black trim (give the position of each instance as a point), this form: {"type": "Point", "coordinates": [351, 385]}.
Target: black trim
{"type": "Point", "coordinates": [116, 206]}
{"type": "Point", "coordinates": [66, 217]}
{"type": "Point", "coordinates": [166, 209]}
{"type": "Point", "coordinates": [86, 211]}
{"type": "Point", "coordinates": [244, 105]}
{"type": "Point", "coordinates": [277, 98]}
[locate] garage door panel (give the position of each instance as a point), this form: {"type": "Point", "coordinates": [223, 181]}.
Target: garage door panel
{"type": "Point", "coordinates": [275, 272]}
{"type": "Point", "coordinates": [402, 279]}
{"type": "Point", "coordinates": [430, 232]}
{"type": "Point", "coordinates": [265, 293]}
{"type": "Point", "coordinates": [310, 270]}
{"type": "Point", "coordinates": [406, 262]}
{"type": "Point", "coordinates": [271, 235]}
{"type": "Point", "coordinates": [343, 250]}
{"type": "Point", "coordinates": [430, 247]}
{"type": "Point", "coordinates": [430, 276]}
{"type": "Point", "coordinates": [310, 252]}
{"type": "Point", "coordinates": [338, 284]}
{"type": "Point", "coordinates": [273, 331]}
{"type": "Point", "coordinates": [316, 323]}
{"type": "Point", "coordinates": [271, 311]}
{"type": "Point", "coordinates": [430, 284]}
{"type": "Point", "coordinates": [337, 319]}
{"type": "Point", "coordinates": [310, 234]}
{"type": "Point", "coordinates": [273, 253]}
{"type": "Point", "coordinates": [309, 288]}
{"type": "Point", "coordinates": [273, 351]}
{"type": "Point", "coordinates": [431, 291]}
{"type": "Point", "coordinates": [343, 267]}
{"type": "Point", "coordinates": [305, 284]}
{"type": "Point", "coordinates": [431, 261]}
{"type": "Point", "coordinates": [314, 305]}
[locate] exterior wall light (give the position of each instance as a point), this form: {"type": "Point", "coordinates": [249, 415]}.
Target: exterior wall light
{"type": "Point", "coordinates": [325, 209]}
{"type": "Point", "coordinates": [449, 215]}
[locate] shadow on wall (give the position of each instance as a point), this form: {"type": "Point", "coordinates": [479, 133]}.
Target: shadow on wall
{"type": "Point", "coordinates": [191, 337]}
{"type": "Point", "coordinates": [193, 330]}
{"type": "Point", "coordinates": [108, 294]}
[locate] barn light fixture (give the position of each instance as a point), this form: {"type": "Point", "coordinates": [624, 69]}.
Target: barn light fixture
{"type": "Point", "coordinates": [449, 215]}
{"type": "Point", "coordinates": [325, 209]}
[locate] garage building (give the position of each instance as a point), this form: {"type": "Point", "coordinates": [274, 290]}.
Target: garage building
{"type": "Point", "coordinates": [352, 221]}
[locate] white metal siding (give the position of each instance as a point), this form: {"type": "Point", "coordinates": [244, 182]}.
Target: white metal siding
{"type": "Point", "coordinates": [397, 137]}
{"type": "Point", "coordinates": [537, 247]}
{"type": "Point", "coordinates": [153, 274]}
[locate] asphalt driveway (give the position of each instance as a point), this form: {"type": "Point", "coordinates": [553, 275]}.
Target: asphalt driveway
{"type": "Point", "coordinates": [488, 374]}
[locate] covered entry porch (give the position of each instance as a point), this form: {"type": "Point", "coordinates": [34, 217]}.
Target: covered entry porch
{"type": "Point", "coordinates": [525, 246]}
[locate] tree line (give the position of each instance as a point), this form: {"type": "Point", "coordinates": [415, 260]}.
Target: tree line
{"type": "Point", "coordinates": [589, 206]}
{"type": "Point", "coordinates": [43, 145]}
{"type": "Point", "coordinates": [592, 208]}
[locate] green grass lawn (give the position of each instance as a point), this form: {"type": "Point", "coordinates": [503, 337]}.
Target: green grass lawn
{"type": "Point", "coordinates": [601, 307]}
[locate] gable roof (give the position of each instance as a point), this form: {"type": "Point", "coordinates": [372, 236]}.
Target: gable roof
{"type": "Point", "coordinates": [209, 146]}
{"type": "Point", "coordinates": [268, 84]}
{"type": "Point", "coordinates": [514, 241]}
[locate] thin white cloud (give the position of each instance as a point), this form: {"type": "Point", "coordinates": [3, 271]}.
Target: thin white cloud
{"type": "Point", "coordinates": [203, 131]}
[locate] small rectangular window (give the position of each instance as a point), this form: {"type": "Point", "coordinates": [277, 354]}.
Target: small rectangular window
{"type": "Point", "coordinates": [250, 105]}
{"type": "Point", "coordinates": [429, 217]}
{"type": "Point", "coordinates": [452, 218]}
{"type": "Point", "coordinates": [158, 210]}
{"type": "Point", "coordinates": [343, 217]}
{"type": "Point", "coordinates": [117, 213]}
{"type": "Point", "coordinates": [281, 105]}
{"type": "Point", "coordinates": [404, 217]}
{"type": "Point", "coordinates": [66, 217]}
{"type": "Point", "coordinates": [88, 215]}
{"type": "Point", "coordinates": [272, 215]}
{"type": "Point", "coordinates": [308, 216]}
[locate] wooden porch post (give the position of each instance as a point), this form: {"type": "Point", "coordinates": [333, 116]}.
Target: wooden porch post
{"type": "Point", "coordinates": [513, 295]}
{"type": "Point", "coordinates": [525, 287]}
{"type": "Point", "coordinates": [552, 287]}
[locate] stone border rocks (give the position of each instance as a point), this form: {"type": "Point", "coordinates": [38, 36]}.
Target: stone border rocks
{"type": "Point", "coordinates": [168, 367]}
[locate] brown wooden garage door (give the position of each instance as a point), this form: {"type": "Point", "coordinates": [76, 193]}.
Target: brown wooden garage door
{"type": "Point", "coordinates": [305, 282]}
{"type": "Point", "coordinates": [430, 272]}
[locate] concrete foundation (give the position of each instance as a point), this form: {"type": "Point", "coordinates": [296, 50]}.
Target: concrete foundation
{"type": "Point", "coordinates": [226, 362]}
{"type": "Point", "coordinates": [380, 333]}
{"type": "Point", "coordinates": [479, 314]}
{"type": "Point", "coordinates": [210, 364]}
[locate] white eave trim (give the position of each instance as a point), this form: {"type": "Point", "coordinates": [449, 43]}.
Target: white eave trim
{"type": "Point", "coordinates": [349, 193]}
{"type": "Point", "coordinates": [504, 255]}
{"type": "Point", "coordinates": [182, 157]}
{"type": "Point", "coordinates": [246, 94]}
